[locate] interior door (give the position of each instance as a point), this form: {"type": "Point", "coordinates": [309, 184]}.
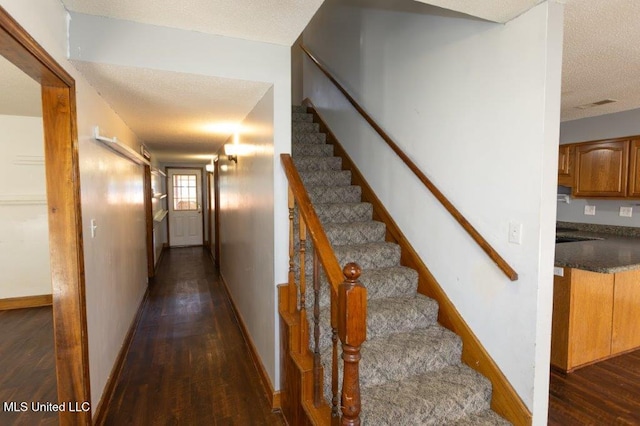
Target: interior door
{"type": "Point", "coordinates": [185, 207]}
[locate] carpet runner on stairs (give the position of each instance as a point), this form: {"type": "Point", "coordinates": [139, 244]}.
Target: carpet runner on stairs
{"type": "Point", "coordinates": [411, 371]}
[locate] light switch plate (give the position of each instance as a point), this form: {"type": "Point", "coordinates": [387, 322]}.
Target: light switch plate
{"type": "Point", "coordinates": [590, 210]}
{"type": "Point", "coordinates": [626, 211]}
{"type": "Point", "coordinates": [515, 232]}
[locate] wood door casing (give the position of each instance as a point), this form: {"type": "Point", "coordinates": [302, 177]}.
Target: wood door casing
{"type": "Point", "coordinates": [601, 169]}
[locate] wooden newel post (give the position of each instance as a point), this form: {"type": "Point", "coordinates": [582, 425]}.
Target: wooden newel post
{"type": "Point", "coordinates": [352, 329]}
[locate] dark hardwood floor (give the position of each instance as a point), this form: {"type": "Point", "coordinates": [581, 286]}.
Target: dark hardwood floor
{"type": "Point", "coordinates": [27, 365]}
{"type": "Point", "coordinates": [606, 393]}
{"type": "Point", "coordinates": [188, 363]}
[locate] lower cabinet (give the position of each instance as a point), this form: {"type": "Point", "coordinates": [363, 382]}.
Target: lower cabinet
{"type": "Point", "coordinates": [595, 316]}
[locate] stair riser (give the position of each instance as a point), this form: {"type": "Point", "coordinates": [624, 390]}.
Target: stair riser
{"type": "Point", "coordinates": [315, 164]}
{"type": "Point", "coordinates": [326, 178]}
{"type": "Point", "coordinates": [305, 127]}
{"type": "Point", "coordinates": [309, 138]}
{"type": "Point", "coordinates": [311, 150]}
{"type": "Point", "coordinates": [402, 356]}
{"type": "Point", "coordinates": [298, 117]}
{"type": "Point", "coordinates": [298, 108]}
{"type": "Point", "coordinates": [340, 213]}
{"type": "Point", "coordinates": [340, 194]}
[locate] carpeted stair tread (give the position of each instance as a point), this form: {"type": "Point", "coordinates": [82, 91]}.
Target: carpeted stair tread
{"type": "Point", "coordinates": [302, 127]}
{"type": "Point", "coordinates": [344, 212]}
{"type": "Point", "coordinates": [335, 194]}
{"type": "Point", "coordinates": [299, 149]}
{"type": "Point", "coordinates": [400, 355]}
{"type": "Point", "coordinates": [341, 234]}
{"type": "Point", "coordinates": [397, 281]}
{"type": "Point", "coordinates": [385, 317]}
{"type": "Point", "coordinates": [298, 108]}
{"type": "Point", "coordinates": [435, 398]}
{"type": "Point", "coordinates": [299, 117]}
{"type": "Point", "coordinates": [485, 418]}
{"type": "Point", "coordinates": [326, 177]}
{"type": "Point", "coordinates": [309, 164]}
{"type": "Point", "coordinates": [309, 138]}
{"type": "Point", "coordinates": [370, 255]}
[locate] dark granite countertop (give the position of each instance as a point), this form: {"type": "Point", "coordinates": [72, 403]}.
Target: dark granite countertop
{"type": "Point", "coordinates": [613, 249]}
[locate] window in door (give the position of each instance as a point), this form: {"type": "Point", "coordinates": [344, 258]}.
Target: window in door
{"type": "Point", "coordinates": [184, 193]}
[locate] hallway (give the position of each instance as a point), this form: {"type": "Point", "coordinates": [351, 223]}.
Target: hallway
{"type": "Point", "coordinates": [188, 363]}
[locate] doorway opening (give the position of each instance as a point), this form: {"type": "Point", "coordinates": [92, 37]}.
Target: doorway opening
{"type": "Point", "coordinates": [63, 211]}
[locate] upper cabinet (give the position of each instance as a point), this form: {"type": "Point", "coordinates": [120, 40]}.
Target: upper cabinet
{"type": "Point", "coordinates": [565, 165]}
{"type": "Point", "coordinates": [602, 169]}
{"type": "Point", "coordinates": [634, 169]}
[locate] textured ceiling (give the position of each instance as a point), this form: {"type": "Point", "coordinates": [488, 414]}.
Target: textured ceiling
{"type": "Point", "coordinates": [175, 111]}
{"type": "Point", "coordinates": [601, 58]}
{"type": "Point", "coordinates": [271, 21]}
{"type": "Point", "coordinates": [19, 93]}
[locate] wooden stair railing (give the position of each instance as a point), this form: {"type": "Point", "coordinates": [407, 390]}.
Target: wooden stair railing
{"type": "Point", "coordinates": [348, 303]}
{"type": "Point", "coordinates": [466, 225]}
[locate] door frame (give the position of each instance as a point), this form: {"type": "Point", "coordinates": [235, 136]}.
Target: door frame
{"type": "Point", "coordinates": [216, 213]}
{"type": "Point", "coordinates": [203, 173]}
{"type": "Point", "coordinates": [148, 213]}
{"type": "Point", "coordinates": [64, 213]}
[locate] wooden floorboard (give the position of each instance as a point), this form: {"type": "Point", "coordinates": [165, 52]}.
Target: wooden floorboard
{"type": "Point", "coordinates": [188, 363]}
{"type": "Point", "coordinates": [606, 393]}
{"type": "Point", "coordinates": [27, 365]}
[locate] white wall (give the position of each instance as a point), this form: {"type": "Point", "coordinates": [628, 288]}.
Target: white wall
{"type": "Point", "coordinates": [476, 106]}
{"type": "Point", "coordinates": [609, 126]}
{"type": "Point", "coordinates": [246, 229]}
{"type": "Point", "coordinates": [147, 46]}
{"type": "Point", "coordinates": [112, 194]}
{"type": "Point", "coordinates": [24, 228]}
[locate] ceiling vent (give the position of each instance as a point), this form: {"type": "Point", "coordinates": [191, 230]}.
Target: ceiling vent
{"type": "Point", "coordinates": [595, 104]}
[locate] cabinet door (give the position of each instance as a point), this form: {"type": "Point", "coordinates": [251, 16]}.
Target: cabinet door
{"type": "Point", "coordinates": [634, 169]}
{"type": "Point", "coordinates": [601, 169]}
{"type": "Point", "coordinates": [565, 165]}
{"type": "Point", "coordinates": [626, 312]}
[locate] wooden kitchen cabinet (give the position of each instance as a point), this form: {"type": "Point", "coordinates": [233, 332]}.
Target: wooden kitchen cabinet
{"type": "Point", "coordinates": [565, 165]}
{"type": "Point", "coordinates": [634, 169]}
{"type": "Point", "coordinates": [626, 312]}
{"type": "Point", "coordinates": [601, 169]}
{"type": "Point", "coordinates": [595, 316]}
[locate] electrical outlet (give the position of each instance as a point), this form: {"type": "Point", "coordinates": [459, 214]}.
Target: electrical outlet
{"type": "Point", "coordinates": [590, 210]}
{"type": "Point", "coordinates": [626, 211]}
{"type": "Point", "coordinates": [515, 232]}
{"type": "Point", "coordinates": [93, 228]}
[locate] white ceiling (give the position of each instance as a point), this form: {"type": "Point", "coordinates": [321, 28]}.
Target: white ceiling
{"type": "Point", "coordinates": [270, 21]}
{"type": "Point", "coordinates": [601, 61]}
{"type": "Point", "coordinates": [168, 110]}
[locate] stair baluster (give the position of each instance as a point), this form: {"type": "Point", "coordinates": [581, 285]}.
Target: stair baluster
{"type": "Point", "coordinates": [352, 314]}
{"type": "Point", "coordinates": [292, 278]}
{"type": "Point", "coordinates": [317, 362]}
{"type": "Point", "coordinates": [302, 249]}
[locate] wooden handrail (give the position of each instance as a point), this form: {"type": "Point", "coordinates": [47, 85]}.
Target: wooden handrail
{"type": "Point", "coordinates": [479, 239]}
{"type": "Point", "coordinates": [320, 241]}
{"type": "Point", "coordinates": [348, 303]}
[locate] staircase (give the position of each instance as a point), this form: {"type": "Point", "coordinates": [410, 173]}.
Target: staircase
{"type": "Point", "coordinates": [411, 371]}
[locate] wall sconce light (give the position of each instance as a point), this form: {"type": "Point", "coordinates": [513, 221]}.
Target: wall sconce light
{"type": "Point", "coordinates": [231, 152]}
{"type": "Point", "coordinates": [209, 168]}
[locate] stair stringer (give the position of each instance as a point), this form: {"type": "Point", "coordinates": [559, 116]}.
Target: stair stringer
{"type": "Point", "coordinates": [505, 400]}
{"type": "Point", "coordinates": [296, 370]}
